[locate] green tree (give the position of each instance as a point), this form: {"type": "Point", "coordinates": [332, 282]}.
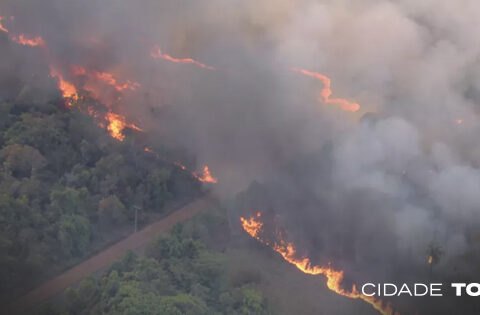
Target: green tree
{"type": "Point", "coordinates": [157, 187]}
{"type": "Point", "coordinates": [112, 211]}
{"type": "Point", "coordinates": [252, 302]}
{"type": "Point", "coordinates": [70, 201]}
{"type": "Point", "coordinates": [22, 160]}
{"type": "Point", "coordinates": [74, 234]}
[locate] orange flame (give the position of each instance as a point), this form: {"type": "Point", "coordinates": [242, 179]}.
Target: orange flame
{"type": "Point", "coordinates": [22, 39]}
{"type": "Point", "coordinates": [116, 124]}
{"type": "Point", "coordinates": [25, 40]}
{"type": "Point", "coordinates": [157, 53]}
{"type": "Point", "coordinates": [68, 89]}
{"type": "Point", "coordinates": [206, 177]}
{"type": "Point", "coordinates": [253, 226]}
{"type": "Point", "coordinates": [326, 92]}
{"type": "Point", "coordinates": [3, 28]}
{"type": "Point", "coordinates": [180, 165]}
{"type": "Point", "coordinates": [110, 79]}
{"type": "Point", "coordinates": [106, 77]}
{"type": "Point", "coordinates": [430, 259]}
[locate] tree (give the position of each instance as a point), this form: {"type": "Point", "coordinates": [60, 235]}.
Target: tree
{"type": "Point", "coordinates": [252, 303]}
{"type": "Point", "coordinates": [184, 304]}
{"type": "Point", "coordinates": [112, 211]}
{"type": "Point", "coordinates": [74, 234]}
{"type": "Point", "coordinates": [66, 200]}
{"type": "Point", "coordinates": [47, 135]}
{"type": "Point", "coordinates": [22, 160]}
{"type": "Point", "coordinates": [157, 187]}
{"type": "Point", "coordinates": [59, 173]}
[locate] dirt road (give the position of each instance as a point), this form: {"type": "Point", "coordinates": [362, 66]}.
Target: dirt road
{"type": "Point", "coordinates": [108, 256]}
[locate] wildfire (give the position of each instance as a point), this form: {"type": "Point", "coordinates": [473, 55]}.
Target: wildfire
{"type": "Point", "coordinates": [253, 226]}
{"type": "Point", "coordinates": [110, 80]}
{"type": "Point", "coordinates": [206, 177]}
{"type": "Point", "coordinates": [157, 53]}
{"type": "Point", "coordinates": [459, 121]}
{"type": "Point", "coordinates": [69, 91]}
{"type": "Point", "coordinates": [116, 124]}
{"type": "Point", "coordinates": [25, 40]}
{"type": "Point", "coordinates": [430, 259]}
{"type": "Point", "coordinates": [326, 92]}
{"type": "Point", "coordinates": [3, 28]}
{"type": "Point", "coordinates": [105, 77]}
{"type": "Point", "coordinates": [180, 165]}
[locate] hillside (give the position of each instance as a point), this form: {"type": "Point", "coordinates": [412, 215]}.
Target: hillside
{"type": "Point", "coordinates": [67, 187]}
{"type": "Point", "coordinates": [182, 272]}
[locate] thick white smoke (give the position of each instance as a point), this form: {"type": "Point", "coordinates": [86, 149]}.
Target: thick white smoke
{"type": "Point", "coordinates": [375, 190]}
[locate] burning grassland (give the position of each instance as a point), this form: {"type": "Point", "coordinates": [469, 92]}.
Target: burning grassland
{"type": "Point", "coordinates": [370, 185]}
{"type": "Point", "coordinates": [326, 91]}
{"type": "Point", "coordinates": [254, 227]}
{"type": "Point", "coordinates": [158, 54]}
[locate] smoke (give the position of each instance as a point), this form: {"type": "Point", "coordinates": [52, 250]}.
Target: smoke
{"type": "Point", "coordinates": [369, 189]}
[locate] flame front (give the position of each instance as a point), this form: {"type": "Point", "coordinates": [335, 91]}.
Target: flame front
{"type": "Point", "coordinates": [326, 92]}
{"type": "Point", "coordinates": [69, 91]}
{"type": "Point", "coordinates": [157, 53]}
{"type": "Point", "coordinates": [3, 28]}
{"type": "Point", "coordinates": [94, 83]}
{"type": "Point", "coordinates": [25, 40]}
{"type": "Point", "coordinates": [430, 259]}
{"type": "Point", "coordinates": [22, 39]}
{"type": "Point", "coordinates": [110, 80]}
{"type": "Point", "coordinates": [206, 177]}
{"type": "Point", "coordinates": [116, 124]}
{"type": "Point", "coordinates": [94, 77]}
{"type": "Point", "coordinates": [253, 226]}
{"type": "Point", "coordinates": [181, 166]}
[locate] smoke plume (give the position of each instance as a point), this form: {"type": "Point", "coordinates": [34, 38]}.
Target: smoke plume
{"type": "Point", "coordinates": [370, 188]}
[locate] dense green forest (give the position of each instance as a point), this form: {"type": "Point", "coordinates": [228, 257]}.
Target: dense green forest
{"type": "Point", "coordinates": [181, 273]}
{"type": "Point", "coordinates": [66, 185]}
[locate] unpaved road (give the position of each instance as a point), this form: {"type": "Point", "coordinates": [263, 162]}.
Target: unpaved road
{"type": "Point", "coordinates": [108, 256]}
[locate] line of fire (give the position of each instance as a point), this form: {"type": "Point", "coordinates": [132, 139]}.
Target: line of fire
{"type": "Point", "coordinates": [239, 158]}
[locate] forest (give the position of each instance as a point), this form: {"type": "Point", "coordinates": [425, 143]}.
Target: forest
{"type": "Point", "coordinates": [67, 188]}
{"type": "Point", "coordinates": [270, 159]}
{"type": "Point", "coordinates": [183, 272]}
